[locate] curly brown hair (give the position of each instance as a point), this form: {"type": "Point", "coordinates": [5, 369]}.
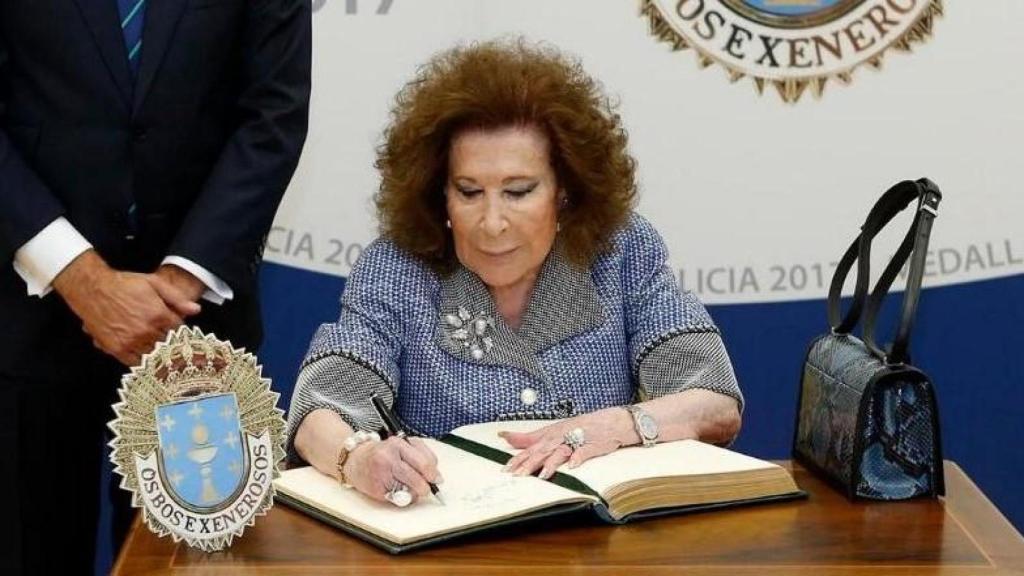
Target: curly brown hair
{"type": "Point", "coordinates": [493, 85]}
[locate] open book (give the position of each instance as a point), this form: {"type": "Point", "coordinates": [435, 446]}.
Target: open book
{"type": "Point", "coordinates": [626, 484]}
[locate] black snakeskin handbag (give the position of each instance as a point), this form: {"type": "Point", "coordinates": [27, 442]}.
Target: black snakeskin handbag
{"type": "Point", "coordinates": [867, 419]}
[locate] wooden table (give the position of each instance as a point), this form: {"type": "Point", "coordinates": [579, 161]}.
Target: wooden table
{"type": "Point", "coordinates": [963, 534]}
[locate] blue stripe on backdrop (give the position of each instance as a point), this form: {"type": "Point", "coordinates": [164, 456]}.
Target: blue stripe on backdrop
{"type": "Point", "coordinates": [295, 303]}
{"type": "Point", "coordinates": [967, 338]}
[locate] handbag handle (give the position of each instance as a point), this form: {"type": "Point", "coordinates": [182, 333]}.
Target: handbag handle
{"type": "Point", "coordinates": [894, 201]}
{"type": "Point", "coordinates": [915, 248]}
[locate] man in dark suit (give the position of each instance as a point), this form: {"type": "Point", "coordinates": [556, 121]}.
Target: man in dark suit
{"type": "Point", "coordinates": [144, 148]}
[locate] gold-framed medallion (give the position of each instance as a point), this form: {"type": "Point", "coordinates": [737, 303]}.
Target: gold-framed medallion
{"type": "Point", "coordinates": [198, 439]}
{"type": "Point", "coordinates": [792, 45]}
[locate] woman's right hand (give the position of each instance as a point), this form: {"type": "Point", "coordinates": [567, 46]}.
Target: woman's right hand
{"type": "Point", "coordinates": [375, 468]}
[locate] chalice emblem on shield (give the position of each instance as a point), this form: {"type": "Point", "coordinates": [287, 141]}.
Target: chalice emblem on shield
{"type": "Point", "coordinates": [202, 454]}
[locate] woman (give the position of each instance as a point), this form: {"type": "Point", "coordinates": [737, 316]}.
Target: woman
{"type": "Point", "coordinates": [511, 281]}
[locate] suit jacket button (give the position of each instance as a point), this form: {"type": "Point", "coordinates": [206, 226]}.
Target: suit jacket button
{"type": "Point", "coordinates": [528, 396]}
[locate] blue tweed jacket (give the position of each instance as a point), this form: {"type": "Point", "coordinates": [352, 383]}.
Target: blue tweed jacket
{"type": "Point", "coordinates": [436, 347]}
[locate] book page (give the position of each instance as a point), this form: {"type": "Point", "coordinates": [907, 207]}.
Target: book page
{"type": "Point", "coordinates": [680, 458]}
{"type": "Point", "coordinates": [475, 492]}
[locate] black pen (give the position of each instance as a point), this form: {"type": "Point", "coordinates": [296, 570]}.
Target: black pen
{"type": "Point", "coordinates": [394, 428]}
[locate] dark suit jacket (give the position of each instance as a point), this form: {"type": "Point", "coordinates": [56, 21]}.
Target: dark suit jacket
{"type": "Point", "coordinates": [204, 142]}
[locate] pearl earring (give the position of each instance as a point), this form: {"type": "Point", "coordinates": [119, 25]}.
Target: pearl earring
{"type": "Point", "coordinates": [448, 224]}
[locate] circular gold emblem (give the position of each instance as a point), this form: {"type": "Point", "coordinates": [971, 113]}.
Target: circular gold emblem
{"type": "Point", "coordinates": [792, 45]}
{"type": "Point", "coordinates": [198, 439]}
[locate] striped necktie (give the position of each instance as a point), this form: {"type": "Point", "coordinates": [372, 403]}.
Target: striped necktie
{"type": "Point", "coordinates": [132, 13]}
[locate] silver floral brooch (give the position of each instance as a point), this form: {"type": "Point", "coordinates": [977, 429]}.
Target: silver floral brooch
{"type": "Point", "coordinates": [473, 332]}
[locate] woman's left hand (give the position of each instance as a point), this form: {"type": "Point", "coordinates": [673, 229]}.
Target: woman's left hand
{"type": "Point", "coordinates": [604, 432]}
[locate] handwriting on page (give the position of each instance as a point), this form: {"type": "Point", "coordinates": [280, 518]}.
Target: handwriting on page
{"type": "Point", "coordinates": [501, 493]}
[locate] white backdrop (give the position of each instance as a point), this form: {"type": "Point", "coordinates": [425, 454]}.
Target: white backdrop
{"type": "Point", "coordinates": [755, 197]}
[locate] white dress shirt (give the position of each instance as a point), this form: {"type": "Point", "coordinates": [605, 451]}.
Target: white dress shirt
{"type": "Point", "coordinates": [39, 260]}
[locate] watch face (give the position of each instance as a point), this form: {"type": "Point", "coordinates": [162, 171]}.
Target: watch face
{"type": "Point", "coordinates": [648, 427]}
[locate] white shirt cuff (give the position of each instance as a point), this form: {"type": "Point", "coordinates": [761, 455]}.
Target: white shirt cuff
{"type": "Point", "coordinates": [217, 291]}
{"type": "Point", "coordinates": [42, 258]}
